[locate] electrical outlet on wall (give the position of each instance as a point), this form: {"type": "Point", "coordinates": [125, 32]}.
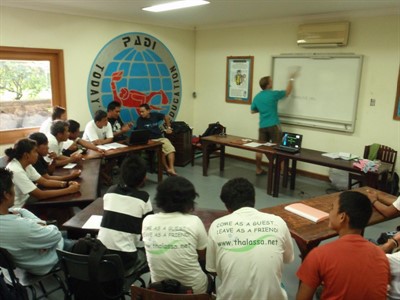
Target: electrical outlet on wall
{"type": "Point", "coordinates": [372, 102]}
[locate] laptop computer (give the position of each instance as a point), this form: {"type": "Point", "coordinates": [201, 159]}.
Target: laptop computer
{"type": "Point", "coordinates": [139, 137]}
{"type": "Point", "coordinates": [291, 142]}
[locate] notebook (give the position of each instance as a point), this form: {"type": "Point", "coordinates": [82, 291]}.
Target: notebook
{"type": "Point", "coordinates": [307, 212]}
{"type": "Point", "coordinates": [291, 142]}
{"type": "Point", "coordinates": [139, 137]}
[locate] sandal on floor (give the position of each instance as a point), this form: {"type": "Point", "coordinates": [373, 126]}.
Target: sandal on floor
{"type": "Point", "coordinates": [263, 172]}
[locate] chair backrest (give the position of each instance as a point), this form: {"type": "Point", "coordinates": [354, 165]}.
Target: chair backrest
{"type": "Point", "coordinates": [110, 273]}
{"type": "Point", "coordinates": [385, 154]}
{"type": "Point", "coordinates": [138, 293]}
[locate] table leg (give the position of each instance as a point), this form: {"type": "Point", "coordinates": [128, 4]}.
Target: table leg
{"type": "Point", "coordinates": [222, 158]}
{"type": "Point", "coordinates": [205, 157]}
{"type": "Point", "coordinates": [277, 175]}
{"type": "Point", "coordinates": [160, 165]}
{"type": "Point", "coordinates": [270, 181]}
{"type": "Point", "coordinates": [293, 174]}
{"type": "Point", "coordinates": [304, 247]}
{"type": "Point", "coordinates": [285, 172]}
{"type": "Point", "coordinates": [372, 179]}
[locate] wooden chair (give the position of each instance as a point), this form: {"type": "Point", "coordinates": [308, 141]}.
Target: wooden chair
{"type": "Point", "coordinates": [385, 154]}
{"type": "Point", "coordinates": [138, 293]}
{"type": "Point", "coordinates": [19, 278]}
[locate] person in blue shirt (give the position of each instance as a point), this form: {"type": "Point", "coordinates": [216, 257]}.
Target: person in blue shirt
{"type": "Point", "coordinates": [151, 121]}
{"type": "Point", "coordinates": [31, 242]}
{"type": "Point", "coordinates": [266, 104]}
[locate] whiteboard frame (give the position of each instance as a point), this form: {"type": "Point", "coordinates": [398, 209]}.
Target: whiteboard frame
{"type": "Point", "coordinates": [323, 123]}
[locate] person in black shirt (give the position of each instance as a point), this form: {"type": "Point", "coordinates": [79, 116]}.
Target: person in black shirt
{"type": "Point", "coordinates": [118, 127]}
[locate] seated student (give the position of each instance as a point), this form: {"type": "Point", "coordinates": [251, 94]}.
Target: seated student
{"type": "Point", "coordinates": [394, 261]}
{"type": "Point", "coordinates": [27, 238]}
{"type": "Point", "coordinates": [59, 113]}
{"type": "Point", "coordinates": [59, 133]}
{"type": "Point", "coordinates": [44, 168]}
{"type": "Point", "coordinates": [125, 207]}
{"type": "Point", "coordinates": [21, 157]}
{"type": "Point", "coordinates": [174, 239]}
{"type": "Point", "coordinates": [75, 140]}
{"type": "Point", "coordinates": [118, 127]}
{"type": "Point", "coordinates": [98, 131]}
{"type": "Point", "coordinates": [247, 248]}
{"type": "Point", "coordinates": [150, 120]}
{"type": "Point", "coordinates": [350, 267]}
{"type": "Point", "coordinates": [384, 204]}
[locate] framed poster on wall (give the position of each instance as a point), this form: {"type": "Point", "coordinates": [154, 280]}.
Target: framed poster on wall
{"type": "Point", "coordinates": [239, 79]}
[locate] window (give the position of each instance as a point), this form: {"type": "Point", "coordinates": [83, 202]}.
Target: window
{"type": "Point", "coordinates": [31, 82]}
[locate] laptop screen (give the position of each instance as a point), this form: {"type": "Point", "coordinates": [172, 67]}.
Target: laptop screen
{"type": "Point", "coordinates": [139, 136]}
{"type": "Point", "coordinates": [291, 140]}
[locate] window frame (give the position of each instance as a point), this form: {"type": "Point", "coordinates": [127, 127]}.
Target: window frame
{"type": "Point", "coordinates": [56, 58]}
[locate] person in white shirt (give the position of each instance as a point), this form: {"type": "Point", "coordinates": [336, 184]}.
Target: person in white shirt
{"type": "Point", "coordinates": [59, 113]}
{"type": "Point", "coordinates": [247, 248]}
{"type": "Point", "coordinates": [21, 157]}
{"type": "Point", "coordinates": [59, 133]}
{"type": "Point", "coordinates": [174, 239]}
{"type": "Point", "coordinates": [98, 131]}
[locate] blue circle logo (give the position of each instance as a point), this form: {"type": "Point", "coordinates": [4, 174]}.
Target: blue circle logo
{"type": "Point", "coordinates": [134, 69]}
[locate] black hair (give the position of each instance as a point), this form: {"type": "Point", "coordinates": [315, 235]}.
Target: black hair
{"type": "Point", "coordinates": [238, 193]}
{"type": "Point", "coordinates": [145, 105]}
{"type": "Point", "coordinates": [133, 171]}
{"type": "Point", "coordinates": [20, 148]}
{"type": "Point", "coordinates": [357, 207]}
{"type": "Point", "coordinates": [264, 82]}
{"type": "Point", "coordinates": [113, 105]}
{"type": "Point", "coordinates": [58, 111]}
{"type": "Point", "coordinates": [176, 194]}
{"type": "Point", "coordinates": [99, 115]}
{"type": "Point", "coordinates": [73, 126]}
{"type": "Point", "coordinates": [39, 137]}
{"type": "Point", "coordinates": [58, 127]}
{"type": "Point", "coordinates": [5, 182]}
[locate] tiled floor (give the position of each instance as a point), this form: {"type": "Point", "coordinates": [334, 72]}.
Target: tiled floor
{"type": "Point", "coordinates": [209, 188]}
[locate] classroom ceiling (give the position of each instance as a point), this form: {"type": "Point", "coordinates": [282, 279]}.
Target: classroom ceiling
{"type": "Point", "coordinates": [219, 13]}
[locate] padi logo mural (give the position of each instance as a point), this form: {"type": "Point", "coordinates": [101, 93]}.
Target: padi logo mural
{"type": "Point", "coordinates": [134, 69]}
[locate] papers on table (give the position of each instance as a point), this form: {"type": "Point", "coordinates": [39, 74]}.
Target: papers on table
{"type": "Point", "coordinates": [110, 146]}
{"type": "Point", "coordinates": [307, 212]}
{"type": "Point", "coordinates": [341, 155]}
{"type": "Point", "coordinates": [255, 145]}
{"type": "Point", "coordinates": [69, 166]}
{"type": "Point", "coordinates": [93, 222]}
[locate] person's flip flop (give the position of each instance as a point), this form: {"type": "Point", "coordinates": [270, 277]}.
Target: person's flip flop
{"type": "Point", "coordinates": [263, 172]}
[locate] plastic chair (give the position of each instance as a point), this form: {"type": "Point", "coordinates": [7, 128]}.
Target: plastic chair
{"type": "Point", "coordinates": [385, 154]}
{"type": "Point", "coordinates": [18, 277]}
{"type": "Point", "coordinates": [110, 271]}
{"type": "Point", "coordinates": [138, 293]}
{"type": "Point", "coordinates": [110, 275]}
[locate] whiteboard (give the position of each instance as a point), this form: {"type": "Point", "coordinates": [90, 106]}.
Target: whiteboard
{"type": "Point", "coordinates": [325, 93]}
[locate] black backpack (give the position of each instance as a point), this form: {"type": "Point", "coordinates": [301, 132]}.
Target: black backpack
{"type": "Point", "coordinates": [16, 292]}
{"type": "Point", "coordinates": [213, 129]}
{"type": "Point", "coordinates": [392, 185]}
{"type": "Point", "coordinates": [179, 127]}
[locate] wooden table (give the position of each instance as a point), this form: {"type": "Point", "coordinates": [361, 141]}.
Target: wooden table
{"type": "Point", "coordinates": [89, 180]}
{"type": "Point", "coordinates": [308, 234]}
{"type": "Point", "coordinates": [315, 157]}
{"type": "Point", "coordinates": [75, 224]}
{"type": "Point", "coordinates": [151, 145]}
{"type": "Point", "coordinates": [238, 142]}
